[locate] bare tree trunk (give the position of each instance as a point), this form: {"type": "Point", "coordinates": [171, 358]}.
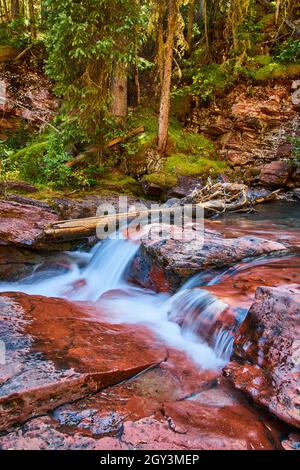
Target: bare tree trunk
{"type": "Point", "coordinates": [119, 86]}
{"type": "Point", "coordinates": [277, 11]}
{"type": "Point", "coordinates": [191, 18]}
{"type": "Point", "coordinates": [15, 9]}
{"type": "Point", "coordinates": [32, 18]}
{"type": "Point", "coordinates": [5, 10]}
{"type": "Point", "coordinates": [164, 113]}
{"type": "Point", "coordinates": [204, 4]}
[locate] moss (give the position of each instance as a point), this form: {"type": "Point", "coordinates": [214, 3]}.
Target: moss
{"type": "Point", "coordinates": [260, 60]}
{"type": "Point", "coordinates": [276, 70]}
{"type": "Point", "coordinates": [195, 144]}
{"type": "Point", "coordinates": [119, 183]}
{"type": "Point", "coordinates": [37, 149]}
{"type": "Point", "coordinates": [267, 22]}
{"type": "Point", "coordinates": [8, 53]}
{"type": "Point", "coordinates": [161, 179]}
{"type": "Point", "coordinates": [191, 165]}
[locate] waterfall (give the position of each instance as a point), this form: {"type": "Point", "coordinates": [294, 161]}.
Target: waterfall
{"type": "Point", "coordinates": [186, 320]}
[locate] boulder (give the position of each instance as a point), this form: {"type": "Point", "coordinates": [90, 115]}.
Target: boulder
{"type": "Point", "coordinates": [22, 224]}
{"type": "Point", "coordinates": [266, 358]}
{"type": "Point", "coordinates": [185, 186]}
{"type": "Point", "coordinates": [275, 174]}
{"type": "Point", "coordinates": [16, 263]}
{"type": "Point", "coordinates": [54, 352]}
{"type": "Point", "coordinates": [164, 264]}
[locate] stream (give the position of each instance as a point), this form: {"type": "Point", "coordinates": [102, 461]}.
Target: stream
{"type": "Point", "coordinates": [191, 319]}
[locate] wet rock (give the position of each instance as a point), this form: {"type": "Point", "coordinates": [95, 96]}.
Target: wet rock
{"type": "Point", "coordinates": [164, 264]}
{"type": "Point", "coordinates": [16, 263]}
{"type": "Point", "coordinates": [174, 406]}
{"type": "Point", "coordinates": [22, 224]}
{"type": "Point", "coordinates": [266, 358]}
{"type": "Point", "coordinates": [58, 352]}
{"type": "Point", "coordinates": [185, 186]}
{"type": "Point", "coordinates": [151, 189]}
{"type": "Point", "coordinates": [275, 174]}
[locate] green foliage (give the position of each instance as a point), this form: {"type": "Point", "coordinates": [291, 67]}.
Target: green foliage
{"type": "Point", "coordinates": [86, 41]}
{"type": "Point", "coordinates": [44, 162]}
{"type": "Point", "coordinates": [208, 81]}
{"type": "Point", "coordinates": [296, 152]}
{"type": "Point", "coordinates": [290, 51]}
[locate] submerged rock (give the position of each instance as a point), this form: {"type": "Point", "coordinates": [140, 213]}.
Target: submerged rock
{"type": "Point", "coordinates": [164, 264]}
{"type": "Point", "coordinates": [54, 352]}
{"type": "Point", "coordinates": [266, 359]}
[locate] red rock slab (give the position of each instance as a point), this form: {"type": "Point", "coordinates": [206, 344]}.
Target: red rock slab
{"type": "Point", "coordinates": [216, 419]}
{"type": "Point", "coordinates": [164, 264]}
{"type": "Point", "coordinates": [57, 352]}
{"type": "Point", "coordinates": [266, 359]}
{"type": "Point", "coordinates": [239, 290]}
{"type": "Point", "coordinates": [174, 406]}
{"type": "Point", "coordinates": [22, 224]}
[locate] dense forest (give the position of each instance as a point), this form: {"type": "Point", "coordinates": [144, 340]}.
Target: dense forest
{"type": "Point", "coordinates": [127, 76]}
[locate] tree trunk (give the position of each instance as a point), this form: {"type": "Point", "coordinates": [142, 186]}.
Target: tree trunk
{"type": "Point", "coordinates": [5, 10]}
{"type": "Point", "coordinates": [15, 9]}
{"type": "Point", "coordinates": [32, 18]}
{"type": "Point", "coordinates": [191, 18]}
{"type": "Point", "coordinates": [119, 106]}
{"type": "Point", "coordinates": [164, 113]}
{"type": "Point", "coordinates": [277, 11]}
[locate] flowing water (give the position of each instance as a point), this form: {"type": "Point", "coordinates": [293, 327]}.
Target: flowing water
{"type": "Point", "coordinates": [188, 320]}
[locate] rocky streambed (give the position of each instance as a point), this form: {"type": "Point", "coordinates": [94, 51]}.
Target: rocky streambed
{"type": "Point", "coordinates": [97, 352]}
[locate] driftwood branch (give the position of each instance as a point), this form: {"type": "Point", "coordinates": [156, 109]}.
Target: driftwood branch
{"type": "Point", "coordinates": [226, 197]}
{"type": "Point", "coordinates": [111, 144]}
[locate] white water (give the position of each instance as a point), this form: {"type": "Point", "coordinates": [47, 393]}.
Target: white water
{"type": "Point", "coordinates": [184, 321]}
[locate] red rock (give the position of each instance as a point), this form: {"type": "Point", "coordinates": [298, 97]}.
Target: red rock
{"type": "Point", "coordinates": [164, 264]}
{"type": "Point", "coordinates": [185, 186]}
{"type": "Point", "coordinates": [266, 358]}
{"type": "Point", "coordinates": [251, 125]}
{"type": "Point", "coordinates": [22, 224]}
{"type": "Point", "coordinates": [239, 290]}
{"type": "Point", "coordinates": [275, 174]}
{"type": "Point", "coordinates": [58, 352]}
{"type": "Point", "coordinates": [174, 406]}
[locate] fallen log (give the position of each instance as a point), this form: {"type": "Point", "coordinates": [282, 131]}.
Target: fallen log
{"type": "Point", "coordinates": [111, 144]}
{"type": "Point", "coordinates": [214, 199]}
{"type": "Point", "coordinates": [83, 228]}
